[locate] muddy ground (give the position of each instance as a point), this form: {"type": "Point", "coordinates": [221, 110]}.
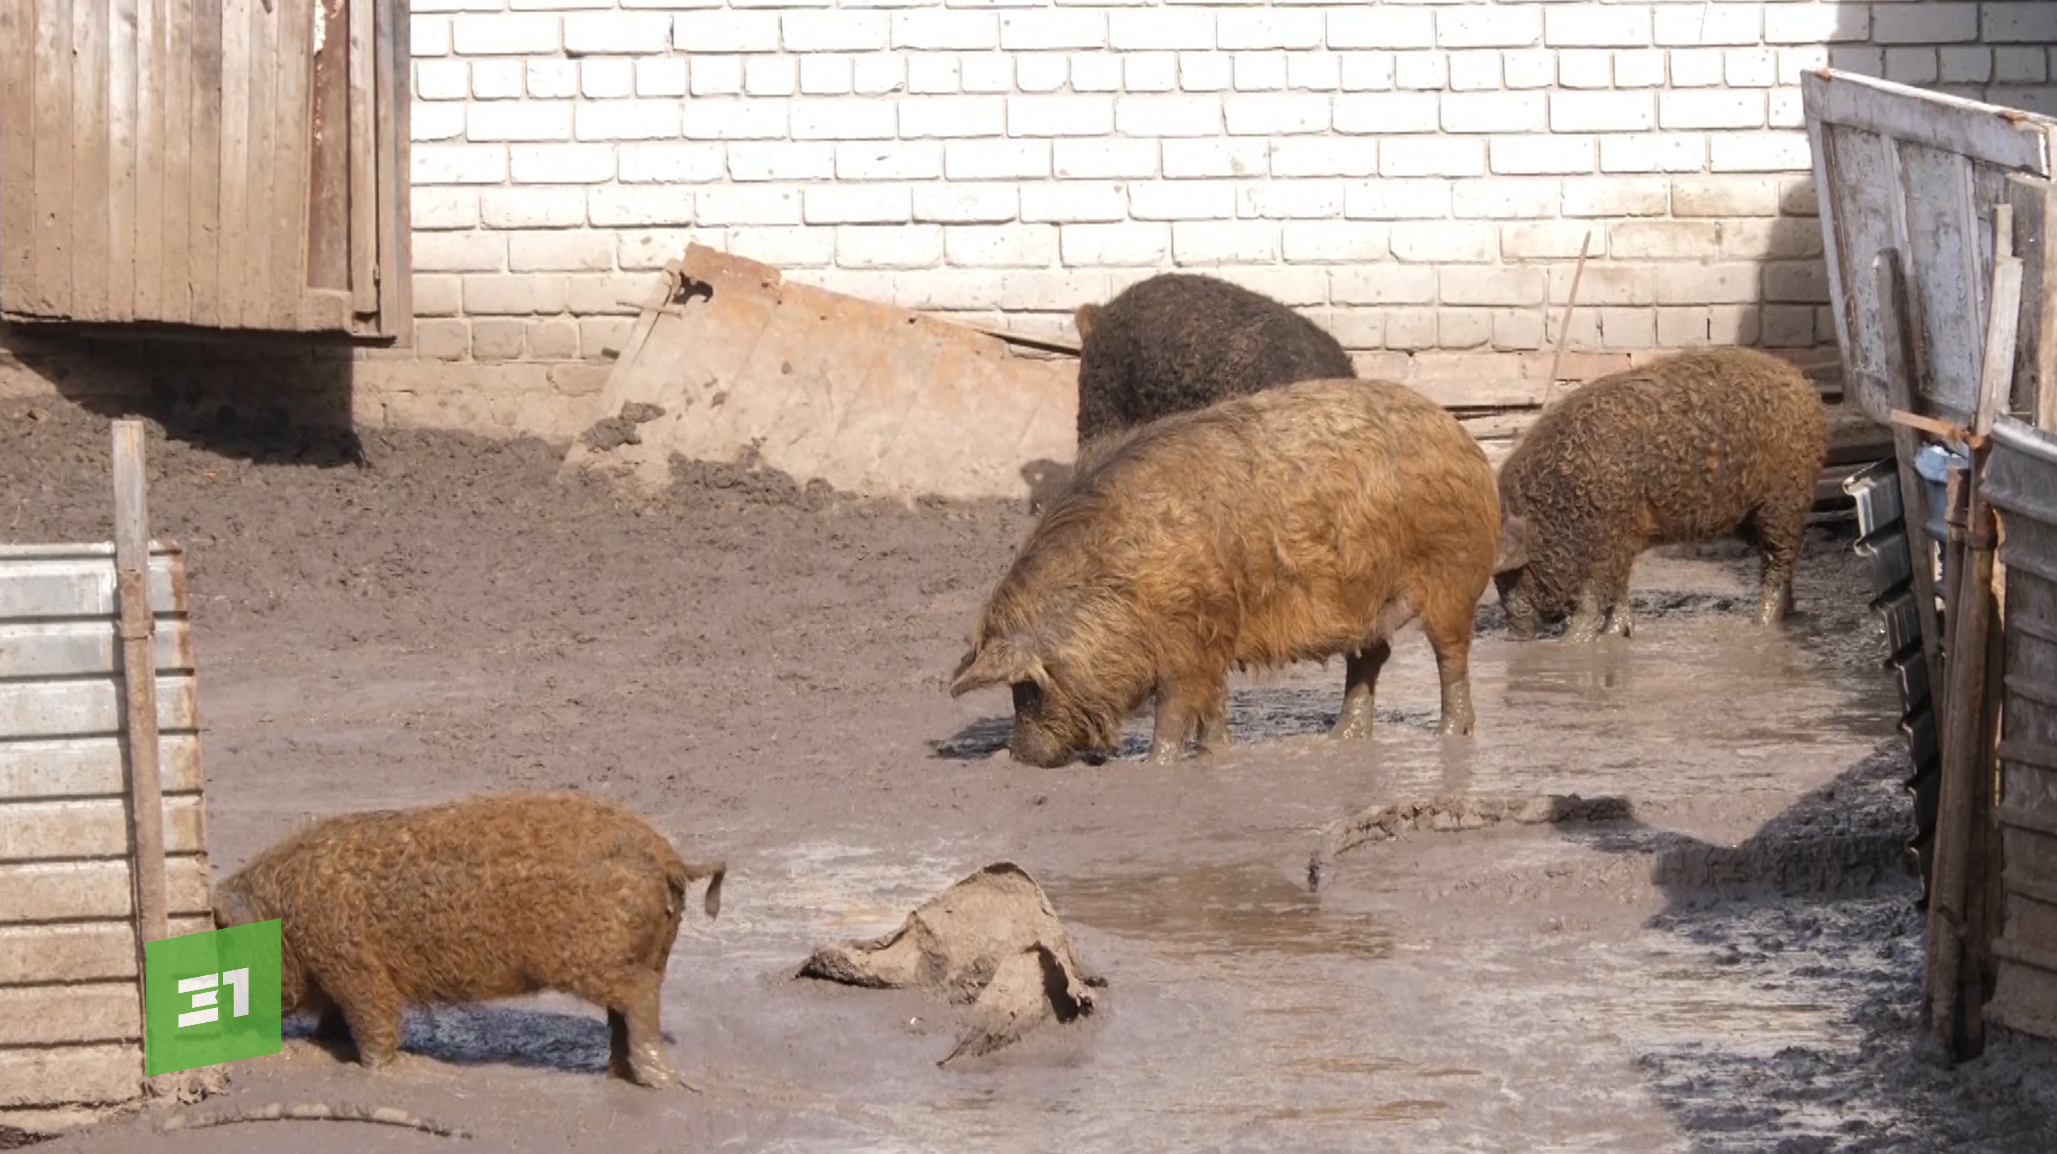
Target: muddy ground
{"type": "Point", "coordinates": [761, 670]}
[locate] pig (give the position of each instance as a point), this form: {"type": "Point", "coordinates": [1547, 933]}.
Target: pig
{"type": "Point", "coordinates": [1182, 341]}
{"type": "Point", "coordinates": [1704, 444]}
{"type": "Point", "coordinates": [485, 897]}
{"type": "Point", "coordinates": [1297, 523]}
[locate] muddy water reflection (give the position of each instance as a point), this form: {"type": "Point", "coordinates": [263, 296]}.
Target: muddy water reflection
{"type": "Point", "coordinates": [1204, 910]}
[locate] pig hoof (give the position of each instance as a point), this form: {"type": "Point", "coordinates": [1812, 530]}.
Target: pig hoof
{"type": "Point", "coordinates": [1166, 754]}
{"type": "Point", "coordinates": [1351, 729]}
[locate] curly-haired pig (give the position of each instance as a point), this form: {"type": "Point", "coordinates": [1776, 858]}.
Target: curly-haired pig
{"type": "Point", "coordinates": [1182, 341]}
{"type": "Point", "coordinates": [1293, 524]}
{"type": "Point", "coordinates": [1699, 445]}
{"type": "Point", "coordinates": [486, 897]}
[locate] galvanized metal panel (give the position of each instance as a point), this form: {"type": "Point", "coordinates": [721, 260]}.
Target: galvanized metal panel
{"type": "Point", "coordinates": [40, 709]}
{"type": "Point", "coordinates": [76, 891]}
{"type": "Point", "coordinates": [88, 1075]}
{"type": "Point", "coordinates": [86, 828]}
{"type": "Point", "coordinates": [81, 648]}
{"type": "Point", "coordinates": [52, 1015]}
{"type": "Point", "coordinates": [36, 588]}
{"type": "Point", "coordinates": [91, 766]}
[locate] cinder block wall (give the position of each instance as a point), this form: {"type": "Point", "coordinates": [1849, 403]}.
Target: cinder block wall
{"type": "Point", "coordinates": [1419, 176]}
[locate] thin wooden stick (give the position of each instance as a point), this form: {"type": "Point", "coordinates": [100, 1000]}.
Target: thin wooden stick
{"type": "Point", "coordinates": [139, 678]}
{"type": "Point", "coordinates": [1564, 322]}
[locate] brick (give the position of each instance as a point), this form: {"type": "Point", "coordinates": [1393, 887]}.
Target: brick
{"type": "Point", "coordinates": [1074, 201]}
{"type": "Point", "coordinates": [457, 164]}
{"type": "Point", "coordinates": [1182, 200]}
{"type": "Point", "coordinates": [839, 31]}
{"type": "Point", "coordinates": [726, 118]}
{"type": "Point", "coordinates": [1614, 196]}
{"type": "Point", "coordinates": [1358, 329]}
{"type": "Point", "coordinates": [1104, 159]}
{"type": "Point", "coordinates": [1540, 155]}
{"type": "Point", "coordinates": [932, 74]}
{"type": "Point", "coordinates": [1411, 329]}
{"type": "Point", "coordinates": [671, 163]}
{"type": "Point", "coordinates": [843, 119]}
{"type": "Point", "coordinates": [1819, 22]}
{"type": "Point", "coordinates": [1683, 328]}
{"type": "Point", "coordinates": [879, 73]}
{"type": "Point", "coordinates": [986, 72]}
{"type": "Point", "coordinates": [1797, 196]}
{"type": "Point", "coordinates": [1432, 156]}
{"type": "Point", "coordinates": [498, 340]}
{"type": "Point", "coordinates": [442, 79]}
{"type": "Point", "coordinates": [770, 75]}
{"type": "Point", "coordinates": [1381, 113]}
{"type": "Point", "coordinates": [505, 294]}
{"type": "Point", "coordinates": [1160, 30]}
{"type": "Point", "coordinates": [1528, 68]}
{"type": "Point", "coordinates": [1783, 151]}
{"type": "Point", "coordinates": [1276, 115]}
{"type": "Point", "coordinates": [1206, 71]}
{"type": "Point", "coordinates": [661, 77]}
{"type": "Point", "coordinates": [1297, 288]}
{"type": "Point", "coordinates": [1696, 67]}
{"type": "Point", "coordinates": [726, 30]}
{"type": "Point", "coordinates": [1706, 284]}
{"type": "Point", "coordinates": [2019, 23]}
{"type": "Point", "coordinates": [1785, 327]}
{"type": "Point", "coordinates": [1381, 26]}
{"type": "Point", "coordinates": [594, 294]}
{"type": "Point", "coordinates": [562, 163]}
{"type": "Point", "coordinates": [1335, 241]}
{"type": "Point", "coordinates": [945, 290]}
{"type": "Point", "coordinates": [1290, 199]}
{"type": "Point", "coordinates": [1137, 243]}
{"type": "Point", "coordinates": [1794, 282]}
{"type": "Point", "coordinates": [1545, 240]}
{"type": "Point", "coordinates": [506, 34]}
{"type": "Point", "coordinates": [1150, 71]}
{"type": "Point", "coordinates": [1269, 28]}
{"type": "Point", "coordinates": [1041, 71]}
{"type": "Point", "coordinates": [1656, 152]}
{"type": "Point", "coordinates": [613, 79]}
{"type": "Point", "coordinates": [889, 246]}
{"type": "Point", "coordinates": [1314, 72]}
{"type": "Point", "coordinates": [641, 206]}
{"type": "Point", "coordinates": [552, 79]}
{"type": "Point", "coordinates": [1603, 283]}
{"type": "Point", "coordinates": [1596, 26]}
{"type": "Point", "coordinates": [567, 250]}
{"type": "Point", "coordinates": [996, 160]}
{"type": "Point", "coordinates": [2020, 65]}
{"type": "Point", "coordinates": [1965, 65]}
{"type": "Point", "coordinates": [437, 296]}
{"type": "Point", "coordinates": [442, 340]}
{"type": "Point", "coordinates": [1724, 197]}
{"type": "Point", "coordinates": [856, 204]}
{"type": "Point", "coordinates": [1067, 115]}
{"type": "Point", "coordinates": [1491, 286]}
{"type": "Point", "coordinates": [1625, 328]}
{"type": "Point", "coordinates": [784, 247]}
{"type": "Point", "coordinates": [1421, 71]}
{"type": "Point", "coordinates": [1051, 291]}
{"type": "Point", "coordinates": [2038, 99]}
{"type": "Point", "coordinates": [1923, 23]}
{"type": "Point", "coordinates": [629, 119]}
{"type": "Point", "coordinates": [1494, 111]}
{"type": "Point", "coordinates": [1794, 63]}
{"type": "Point", "coordinates": [889, 160]}
{"type": "Point", "coordinates": [1683, 110]}
{"type": "Point", "coordinates": [1323, 156]}
{"type": "Point", "coordinates": [1857, 58]}
{"type": "Point", "coordinates": [748, 204]}
{"type": "Point", "coordinates": [1367, 71]}
{"type": "Point", "coordinates": [1096, 72]}
{"type": "Point", "coordinates": [1463, 328]}
{"type": "Point", "coordinates": [1451, 243]}
{"type": "Point", "coordinates": [1475, 70]}
{"type": "Point", "coordinates": [436, 122]}
{"type": "Point", "coordinates": [460, 252]}
{"type": "Point", "coordinates": [603, 338]}
{"type": "Point", "coordinates": [1715, 24]}
{"type": "Point", "coordinates": [594, 33]}
{"type": "Point", "coordinates": [1215, 157]}
{"type": "Point", "coordinates": [1588, 68]}
{"type": "Point", "coordinates": [1786, 109]}
{"type": "Point", "coordinates": [1489, 26]}
{"type": "Point", "coordinates": [1640, 68]}
{"type": "Point", "coordinates": [1786, 237]}
{"type": "Point", "coordinates": [1515, 330]}
{"type": "Point", "coordinates": [1409, 199]}
{"type": "Point", "coordinates": [1000, 246]}
{"type": "Point", "coordinates": [826, 75]}
{"type": "Point", "coordinates": [1750, 67]}
{"type": "Point", "coordinates": [553, 340]}
{"type": "Point", "coordinates": [1506, 199]}
{"type": "Point", "coordinates": [1167, 115]}
{"type": "Point", "coordinates": [525, 121]}
{"type": "Point", "coordinates": [1572, 111]}
{"type": "Point", "coordinates": [1052, 28]}
{"type": "Point", "coordinates": [547, 207]}
{"type": "Point", "coordinates": [952, 116]}
{"type": "Point", "coordinates": [428, 36]}
{"type": "Point", "coordinates": [444, 208]}
{"type": "Point", "coordinates": [995, 203]}
{"type": "Point", "coordinates": [1911, 65]}
{"type": "Point", "coordinates": [1664, 239]}
{"type": "Point", "coordinates": [1260, 71]}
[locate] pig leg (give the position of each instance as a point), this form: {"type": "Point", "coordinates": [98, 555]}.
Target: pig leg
{"type": "Point", "coordinates": [1179, 710]}
{"type": "Point", "coordinates": [1448, 627]}
{"type": "Point", "coordinates": [635, 1042]}
{"type": "Point", "coordinates": [370, 1006]}
{"type": "Point", "coordinates": [1213, 735]}
{"type": "Point", "coordinates": [1779, 530]}
{"type": "Point", "coordinates": [1360, 681]}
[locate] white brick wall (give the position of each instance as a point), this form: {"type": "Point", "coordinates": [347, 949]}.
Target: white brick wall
{"type": "Point", "coordinates": [1417, 175]}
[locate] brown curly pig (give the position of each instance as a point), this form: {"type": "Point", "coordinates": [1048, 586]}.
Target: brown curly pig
{"type": "Point", "coordinates": [1182, 341]}
{"type": "Point", "coordinates": [487, 897]}
{"type": "Point", "coordinates": [1293, 524]}
{"type": "Point", "coordinates": [1692, 447]}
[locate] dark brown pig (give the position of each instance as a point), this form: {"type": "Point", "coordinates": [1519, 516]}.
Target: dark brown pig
{"type": "Point", "coordinates": [1182, 341]}
{"type": "Point", "coordinates": [1293, 524]}
{"type": "Point", "coordinates": [1692, 447]}
{"type": "Point", "coordinates": [482, 898]}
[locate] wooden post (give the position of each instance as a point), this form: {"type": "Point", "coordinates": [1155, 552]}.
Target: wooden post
{"type": "Point", "coordinates": [139, 677]}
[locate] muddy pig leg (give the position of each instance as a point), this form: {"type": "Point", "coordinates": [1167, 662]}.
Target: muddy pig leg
{"type": "Point", "coordinates": [1779, 529]}
{"type": "Point", "coordinates": [1360, 681]}
{"type": "Point", "coordinates": [1448, 627]}
{"type": "Point", "coordinates": [1587, 618]}
{"type": "Point", "coordinates": [370, 1006]}
{"type": "Point", "coordinates": [1213, 736]}
{"type": "Point", "coordinates": [1179, 709]}
{"type": "Point", "coordinates": [635, 1041]}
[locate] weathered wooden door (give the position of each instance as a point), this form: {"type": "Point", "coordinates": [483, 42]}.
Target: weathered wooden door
{"type": "Point", "coordinates": [231, 164]}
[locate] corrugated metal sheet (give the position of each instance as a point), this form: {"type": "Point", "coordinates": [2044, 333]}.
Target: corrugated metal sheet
{"type": "Point", "coordinates": [70, 1031]}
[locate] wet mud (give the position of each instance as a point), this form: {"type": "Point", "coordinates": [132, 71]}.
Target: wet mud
{"type": "Point", "coordinates": [759, 668]}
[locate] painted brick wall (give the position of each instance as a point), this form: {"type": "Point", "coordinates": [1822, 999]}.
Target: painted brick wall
{"type": "Point", "coordinates": [1416, 175]}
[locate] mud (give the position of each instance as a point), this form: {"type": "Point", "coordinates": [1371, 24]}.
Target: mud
{"type": "Point", "coordinates": [757, 666]}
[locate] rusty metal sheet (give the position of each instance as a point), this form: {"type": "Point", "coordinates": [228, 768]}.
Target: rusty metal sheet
{"type": "Point", "coordinates": [879, 401]}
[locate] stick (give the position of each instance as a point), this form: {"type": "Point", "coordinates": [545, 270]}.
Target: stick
{"type": "Point", "coordinates": [1932, 426]}
{"type": "Point", "coordinates": [319, 1111]}
{"type": "Point", "coordinates": [1564, 322]}
{"type": "Point", "coordinates": [139, 678]}
{"type": "Point", "coordinates": [2003, 319]}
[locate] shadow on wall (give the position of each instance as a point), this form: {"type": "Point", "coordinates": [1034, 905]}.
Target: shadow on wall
{"type": "Point", "coordinates": [1996, 53]}
{"type": "Point", "coordinates": [259, 398]}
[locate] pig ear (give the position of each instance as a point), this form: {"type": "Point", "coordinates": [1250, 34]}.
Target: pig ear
{"type": "Point", "coordinates": [1083, 318]}
{"type": "Point", "coordinates": [1511, 550]}
{"type": "Point", "coordinates": [1002, 661]}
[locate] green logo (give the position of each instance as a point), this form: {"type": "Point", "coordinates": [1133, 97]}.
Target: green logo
{"type": "Point", "coordinates": [211, 997]}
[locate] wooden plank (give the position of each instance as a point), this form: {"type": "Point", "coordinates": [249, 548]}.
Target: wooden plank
{"type": "Point", "coordinates": [140, 196]}
{"type": "Point", "coordinates": [363, 145]}
{"type": "Point", "coordinates": [17, 154]}
{"type": "Point", "coordinates": [1996, 364]}
{"type": "Point", "coordinates": [77, 951]}
{"type": "Point", "coordinates": [84, 708]}
{"type": "Point", "coordinates": [53, 94]}
{"type": "Point", "coordinates": [89, 155]}
{"type": "Point", "coordinates": [261, 164]}
{"type": "Point", "coordinates": [402, 88]}
{"type": "Point", "coordinates": [328, 179]}
{"type": "Point", "coordinates": [139, 678]}
{"type": "Point", "coordinates": [204, 93]}
{"type": "Point", "coordinates": [54, 1075]}
{"type": "Point", "coordinates": [81, 890]}
{"type": "Point", "coordinates": [121, 160]}
{"type": "Point", "coordinates": [174, 108]}
{"type": "Point", "coordinates": [293, 25]}
{"type": "Point", "coordinates": [91, 828]}
{"type": "Point", "coordinates": [325, 310]}
{"type": "Point", "coordinates": [1914, 503]}
{"type": "Point", "coordinates": [389, 118]}
{"type": "Point", "coordinates": [2043, 194]}
{"type": "Point", "coordinates": [2027, 196]}
{"type": "Point", "coordinates": [1942, 234]}
{"type": "Point", "coordinates": [91, 766]}
{"type": "Point", "coordinates": [233, 279]}
{"type": "Point", "coordinates": [51, 1015]}
{"type": "Point", "coordinates": [84, 648]}
{"type": "Point", "coordinates": [1826, 170]}
{"type": "Point", "coordinates": [1983, 132]}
